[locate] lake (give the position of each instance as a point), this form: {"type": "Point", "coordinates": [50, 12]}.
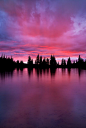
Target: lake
{"type": "Point", "coordinates": [46, 98]}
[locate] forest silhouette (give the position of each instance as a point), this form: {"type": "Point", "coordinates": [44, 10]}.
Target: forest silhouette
{"type": "Point", "coordinates": [7, 63]}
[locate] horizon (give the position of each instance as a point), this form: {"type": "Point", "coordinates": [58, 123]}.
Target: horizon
{"type": "Point", "coordinates": [57, 59]}
{"type": "Point", "coordinates": [43, 26]}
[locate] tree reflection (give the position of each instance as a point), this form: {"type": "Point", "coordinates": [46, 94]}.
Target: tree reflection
{"type": "Point", "coordinates": [30, 71]}
{"type": "Point", "coordinates": [21, 70]}
{"type": "Point", "coordinates": [69, 71]}
{"type": "Point", "coordinates": [40, 71]}
{"type": "Point", "coordinates": [53, 72]}
{"type": "Point", "coordinates": [44, 71]}
{"type": "Point", "coordinates": [37, 70]}
{"type": "Point", "coordinates": [47, 71]}
{"type": "Point", "coordinates": [4, 74]}
{"type": "Point", "coordinates": [63, 71]}
{"type": "Point", "coordinates": [79, 72]}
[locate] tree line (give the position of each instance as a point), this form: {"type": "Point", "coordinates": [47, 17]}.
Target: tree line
{"type": "Point", "coordinates": [40, 62]}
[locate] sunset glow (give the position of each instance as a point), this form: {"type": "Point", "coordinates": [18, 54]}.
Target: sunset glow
{"type": "Point", "coordinates": [44, 27]}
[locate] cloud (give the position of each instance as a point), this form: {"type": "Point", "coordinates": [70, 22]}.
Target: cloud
{"type": "Point", "coordinates": [29, 27]}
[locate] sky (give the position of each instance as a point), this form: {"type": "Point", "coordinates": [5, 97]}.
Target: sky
{"type": "Point", "coordinates": [44, 27]}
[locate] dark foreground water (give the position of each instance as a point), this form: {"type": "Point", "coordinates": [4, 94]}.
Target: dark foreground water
{"type": "Point", "coordinates": [43, 99]}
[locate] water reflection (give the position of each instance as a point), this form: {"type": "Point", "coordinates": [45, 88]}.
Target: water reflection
{"type": "Point", "coordinates": [17, 71]}
{"type": "Point", "coordinates": [69, 71]}
{"type": "Point", "coordinates": [37, 70]}
{"type": "Point", "coordinates": [80, 72]}
{"type": "Point", "coordinates": [40, 72]}
{"type": "Point", "coordinates": [54, 100]}
{"type": "Point", "coordinates": [63, 71]}
{"type": "Point", "coordinates": [53, 72]}
{"type": "Point", "coordinates": [30, 71]}
{"type": "Point", "coordinates": [21, 69]}
{"type": "Point", "coordinates": [4, 74]}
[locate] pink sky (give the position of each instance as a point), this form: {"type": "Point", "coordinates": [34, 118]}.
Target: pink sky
{"type": "Point", "coordinates": [44, 27]}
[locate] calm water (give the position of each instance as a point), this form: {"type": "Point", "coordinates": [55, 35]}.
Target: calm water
{"type": "Point", "coordinates": [43, 99]}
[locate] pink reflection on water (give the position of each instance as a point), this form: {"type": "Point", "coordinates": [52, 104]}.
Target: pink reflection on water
{"type": "Point", "coordinates": [43, 98]}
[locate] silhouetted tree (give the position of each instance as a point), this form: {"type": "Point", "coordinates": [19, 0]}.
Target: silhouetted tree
{"type": "Point", "coordinates": [40, 60]}
{"type": "Point", "coordinates": [69, 62]}
{"type": "Point", "coordinates": [80, 62]}
{"type": "Point", "coordinates": [8, 63]}
{"type": "Point", "coordinates": [79, 59]}
{"type": "Point", "coordinates": [30, 61]}
{"type": "Point", "coordinates": [21, 62]}
{"type": "Point", "coordinates": [63, 63]}
{"type": "Point", "coordinates": [44, 61]}
{"type": "Point", "coordinates": [47, 61]}
{"type": "Point", "coordinates": [37, 61]}
{"type": "Point", "coordinates": [52, 61]}
{"type": "Point", "coordinates": [17, 61]}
